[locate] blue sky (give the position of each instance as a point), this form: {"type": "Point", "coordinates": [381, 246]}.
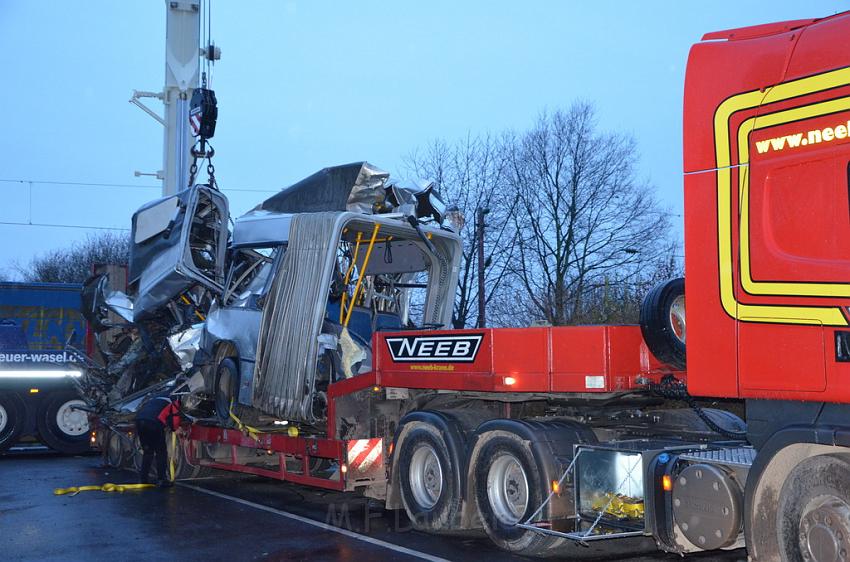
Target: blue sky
{"type": "Point", "coordinates": [302, 85]}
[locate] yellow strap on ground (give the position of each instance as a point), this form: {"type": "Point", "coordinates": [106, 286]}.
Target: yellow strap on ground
{"type": "Point", "coordinates": [252, 432]}
{"type": "Point", "coordinates": [74, 490]}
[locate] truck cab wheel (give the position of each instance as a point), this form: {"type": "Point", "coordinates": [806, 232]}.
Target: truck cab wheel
{"type": "Point", "coordinates": [426, 478]}
{"type": "Point", "coordinates": [12, 419]}
{"type": "Point", "coordinates": [507, 491]}
{"type": "Point", "coordinates": [814, 511]}
{"type": "Point", "coordinates": [61, 426]}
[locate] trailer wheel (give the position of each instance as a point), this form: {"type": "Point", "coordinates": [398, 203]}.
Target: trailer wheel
{"type": "Point", "coordinates": [426, 477]}
{"type": "Point", "coordinates": [12, 419]}
{"type": "Point", "coordinates": [183, 469]}
{"type": "Point", "coordinates": [114, 450]}
{"type": "Point", "coordinates": [814, 510]}
{"type": "Point", "coordinates": [138, 453]}
{"type": "Point", "coordinates": [662, 322]}
{"type": "Point", "coordinates": [177, 456]}
{"type": "Point", "coordinates": [508, 491]}
{"type": "Point", "coordinates": [201, 470]}
{"type": "Point", "coordinates": [61, 426]}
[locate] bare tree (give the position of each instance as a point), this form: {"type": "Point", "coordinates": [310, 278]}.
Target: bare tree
{"type": "Point", "coordinates": [472, 174]}
{"type": "Point", "coordinates": [585, 224]}
{"type": "Point", "coordinates": [74, 264]}
{"type": "Point", "coordinates": [617, 299]}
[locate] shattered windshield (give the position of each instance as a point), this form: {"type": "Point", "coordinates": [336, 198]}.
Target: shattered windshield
{"type": "Point", "coordinates": [249, 275]}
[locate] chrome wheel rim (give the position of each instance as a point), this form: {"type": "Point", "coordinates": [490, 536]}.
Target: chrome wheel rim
{"type": "Point", "coordinates": [4, 418]}
{"type": "Point", "coordinates": [507, 489]}
{"type": "Point", "coordinates": [138, 454]}
{"type": "Point", "coordinates": [677, 318]}
{"type": "Point", "coordinates": [114, 451]}
{"type": "Point", "coordinates": [70, 420]}
{"type": "Point", "coordinates": [426, 476]}
{"type": "Point", "coordinates": [825, 529]}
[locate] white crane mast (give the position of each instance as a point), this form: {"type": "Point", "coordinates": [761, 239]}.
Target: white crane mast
{"type": "Point", "coordinates": [182, 69]}
{"type": "Point", "coordinates": [183, 53]}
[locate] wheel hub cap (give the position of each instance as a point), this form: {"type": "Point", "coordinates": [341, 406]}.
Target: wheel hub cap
{"type": "Point", "coordinates": [70, 420]}
{"type": "Point", "coordinates": [507, 489]}
{"type": "Point", "coordinates": [677, 318]}
{"type": "Point", "coordinates": [4, 418]}
{"type": "Point", "coordinates": [426, 477]}
{"type": "Point", "coordinates": [825, 530]}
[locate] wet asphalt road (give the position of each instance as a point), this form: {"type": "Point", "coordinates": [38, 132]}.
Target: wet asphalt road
{"type": "Point", "coordinates": [226, 518]}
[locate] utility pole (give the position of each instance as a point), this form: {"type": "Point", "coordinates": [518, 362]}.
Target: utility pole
{"type": "Point", "coordinates": [479, 236]}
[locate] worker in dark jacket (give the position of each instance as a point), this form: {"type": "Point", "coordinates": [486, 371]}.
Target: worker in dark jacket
{"type": "Point", "coordinates": [153, 417]}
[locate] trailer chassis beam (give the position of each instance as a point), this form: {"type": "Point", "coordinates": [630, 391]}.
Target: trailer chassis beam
{"type": "Point", "coordinates": [303, 448]}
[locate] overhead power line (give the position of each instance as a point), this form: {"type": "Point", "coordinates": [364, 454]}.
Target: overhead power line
{"type": "Point", "coordinates": [56, 225]}
{"type": "Point", "coordinates": [127, 185]}
{"type": "Point", "coordinates": [79, 184]}
{"type": "Point", "coordinates": [29, 183]}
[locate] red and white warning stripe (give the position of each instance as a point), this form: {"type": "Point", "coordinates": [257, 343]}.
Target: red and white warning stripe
{"type": "Point", "coordinates": [365, 453]}
{"type": "Point", "coordinates": [195, 123]}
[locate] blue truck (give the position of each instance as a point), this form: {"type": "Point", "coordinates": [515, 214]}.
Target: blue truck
{"type": "Point", "coordinates": [38, 398]}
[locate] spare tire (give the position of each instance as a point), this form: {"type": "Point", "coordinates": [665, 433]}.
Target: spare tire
{"type": "Point", "coordinates": [662, 322]}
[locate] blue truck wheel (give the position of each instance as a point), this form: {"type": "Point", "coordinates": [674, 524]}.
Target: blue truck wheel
{"type": "Point", "coordinates": [61, 426]}
{"type": "Point", "coordinates": [12, 419]}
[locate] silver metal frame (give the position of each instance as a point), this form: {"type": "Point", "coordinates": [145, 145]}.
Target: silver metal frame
{"type": "Point", "coordinates": [580, 537]}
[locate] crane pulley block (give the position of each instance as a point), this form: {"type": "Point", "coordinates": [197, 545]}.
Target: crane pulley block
{"type": "Point", "coordinates": [203, 113]}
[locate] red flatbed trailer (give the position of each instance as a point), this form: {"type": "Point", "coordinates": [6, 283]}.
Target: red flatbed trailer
{"type": "Point", "coordinates": [581, 359]}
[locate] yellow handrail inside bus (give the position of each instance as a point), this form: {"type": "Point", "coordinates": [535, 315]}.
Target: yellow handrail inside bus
{"type": "Point", "coordinates": [347, 277]}
{"type": "Point", "coordinates": [360, 275]}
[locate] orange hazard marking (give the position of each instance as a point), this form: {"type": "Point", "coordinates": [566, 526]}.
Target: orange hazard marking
{"type": "Point", "coordinates": [363, 453]}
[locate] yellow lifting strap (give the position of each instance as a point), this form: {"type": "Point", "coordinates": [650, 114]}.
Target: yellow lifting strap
{"type": "Point", "coordinates": [360, 275]}
{"type": "Point", "coordinates": [173, 460]}
{"type": "Point", "coordinates": [74, 490]}
{"type": "Point", "coordinates": [252, 432]}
